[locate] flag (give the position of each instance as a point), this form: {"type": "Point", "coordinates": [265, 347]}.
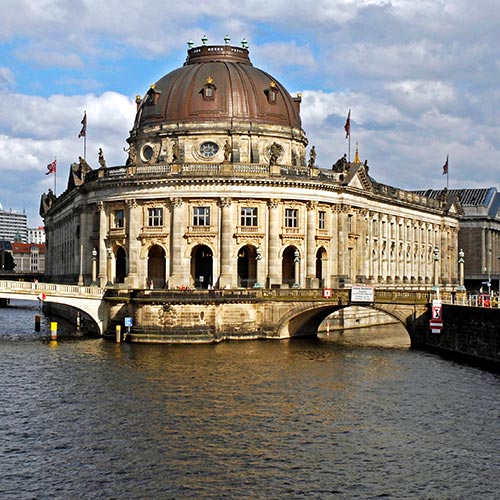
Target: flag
{"type": "Point", "coordinates": [83, 132]}
{"type": "Point", "coordinates": [445, 166]}
{"type": "Point", "coordinates": [347, 125]}
{"type": "Point", "coordinates": [51, 168]}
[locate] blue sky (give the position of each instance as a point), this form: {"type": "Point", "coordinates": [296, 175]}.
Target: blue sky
{"type": "Point", "coordinates": [420, 79]}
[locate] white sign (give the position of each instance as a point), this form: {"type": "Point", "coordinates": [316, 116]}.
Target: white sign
{"type": "Point", "coordinates": [437, 310]}
{"type": "Point", "coordinates": [362, 294]}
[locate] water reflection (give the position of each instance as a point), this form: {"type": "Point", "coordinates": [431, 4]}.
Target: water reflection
{"type": "Point", "coordinates": [388, 336]}
{"type": "Point", "coordinates": [305, 418]}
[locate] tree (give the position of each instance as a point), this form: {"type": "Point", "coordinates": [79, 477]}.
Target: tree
{"type": "Point", "coordinates": [7, 261]}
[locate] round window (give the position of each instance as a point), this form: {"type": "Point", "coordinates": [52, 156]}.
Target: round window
{"type": "Point", "coordinates": [209, 149]}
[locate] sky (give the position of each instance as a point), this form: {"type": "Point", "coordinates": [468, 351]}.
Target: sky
{"type": "Point", "coordinates": [420, 78]}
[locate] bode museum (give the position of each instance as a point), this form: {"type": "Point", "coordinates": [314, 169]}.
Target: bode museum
{"type": "Point", "coordinates": [221, 190]}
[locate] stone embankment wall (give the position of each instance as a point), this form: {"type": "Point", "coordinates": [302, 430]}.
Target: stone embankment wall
{"type": "Point", "coordinates": [469, 333]}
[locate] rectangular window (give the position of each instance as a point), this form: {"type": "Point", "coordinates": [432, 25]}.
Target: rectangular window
{"type": "Point", "coordinates": [249, 216]}
{"type": "Point", "coordinates": [349, 223]}
{"type": "Point", "coordinates": [291, 219]}
{"type": "Point", "coordinates": [321, 220]}
{"type": "Point", "coordinates": [155, 217]}
{"type": "Point", "coordinates": [201, 216]}
{"type": "Point", "coordinates": [119, 218]}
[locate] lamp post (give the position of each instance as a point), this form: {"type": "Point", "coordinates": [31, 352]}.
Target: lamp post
{"type": "Point", "coordinates": [110, 254]}
{"type": "Point", "coordinates": [435, 287]}
{"type": "Point", "coordinates": [296, 260]}
{"type": "Point", "coordinates": [258, 258]}
{"type": "Point", "coordinates": [461, 261]}
{"type": "Point", "coordinates": [94, 267]}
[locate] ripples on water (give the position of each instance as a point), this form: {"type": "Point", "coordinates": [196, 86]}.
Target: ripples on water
{"type": "Point", "coordinates": [305, 419]}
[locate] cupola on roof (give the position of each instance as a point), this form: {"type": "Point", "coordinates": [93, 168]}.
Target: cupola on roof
{"type": "Point", "coordinates": [218, 82]}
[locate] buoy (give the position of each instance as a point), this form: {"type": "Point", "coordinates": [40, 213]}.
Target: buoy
{"type": "Point", "coordinates": [328, 328]}
{"type": "Point", "coordinates": [118, 334]}
{"type": "Point", "coordinates": [37, 322]}
{"type": "Point", "coordinates": [53, 330]}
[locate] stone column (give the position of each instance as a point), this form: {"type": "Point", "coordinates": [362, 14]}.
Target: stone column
{"type": "Point", "coordinates": [334, 247]}
{"type": "Point", "coordinates": [225, 244]}
{"type": "Point", "coordinates": [134, 245]}
{"type": "Point", "coordinates": [81, 249]}
{"type": "Point", "coordinates": [311, 281]}
{"type": "Point", "coordinates": [177, 228]}
{"type": "Point", "coordinates": [102, 277]}
{"type": "Point", "coordinates": [273, 260]}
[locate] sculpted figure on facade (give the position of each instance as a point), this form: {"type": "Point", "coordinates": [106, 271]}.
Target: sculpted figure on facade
{"type": "Point", "coordinates": [341, 165]}
{"type": "Point", "coordinates": [227, 151]}
{"type": "Point", "coordinates": [275, 152]}
{"type": "Point", "coordinates": [312, 158]}
{"type": "Point", "coordinates": [102, 161]}
{"type": "Point", "coordinates": [47, 201]}
{"type": "Point", "coordinates": [175, 151]}
{"type": "Point", "coordinates": [132, 155]}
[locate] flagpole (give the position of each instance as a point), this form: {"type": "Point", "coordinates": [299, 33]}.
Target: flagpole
{"type": "Point", "coordinates": [55, 176]}
{"type": "Point", "coordinates": [347, 128]}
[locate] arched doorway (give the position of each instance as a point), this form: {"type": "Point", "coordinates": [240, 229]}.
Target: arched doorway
{"type": "Point", "coordinates": [247, 266]}
{"type": "Point", "coordinates": [156, 266]}
{"type": "Point", "coordinates": [288, 276]}
{"type": "Point", "coordinates": [320, 257]}
{"type": "Point", "coordinates": [120, 265]}
{"type": "Point", "coordinates": [202, 266]}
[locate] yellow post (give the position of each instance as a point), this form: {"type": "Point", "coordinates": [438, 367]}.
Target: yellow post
{"type": "Point", "coordinates": [118, 334]}
{"type": "Point", "coordinates": [53, 330]}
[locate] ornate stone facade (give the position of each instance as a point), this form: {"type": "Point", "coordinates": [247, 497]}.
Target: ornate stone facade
{"type": "Point", "coordinates": [216, 192]}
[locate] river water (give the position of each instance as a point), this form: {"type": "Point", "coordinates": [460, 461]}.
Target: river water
{"type": "Point", "coordinates": [303, 419]}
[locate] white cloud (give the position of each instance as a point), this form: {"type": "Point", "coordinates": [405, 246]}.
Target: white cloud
{"type": "Point", "coordinates": [6, 79]}
{"type": "Point", "coordinates": [420, 78]}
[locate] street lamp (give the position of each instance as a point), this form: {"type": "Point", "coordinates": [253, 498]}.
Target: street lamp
{"type": "Point", "coordinates": [258, 258]}
{"type": "Point", "coordinates": [94, 267]}
{"type": "Point", "coordinates": [436, 266]}
{"type": "Point", "coordinates": [296, 260]}
{"type": "Point", "coordinates": [461, 261]}
{"type": "Point", "coordinates": [110, 254]}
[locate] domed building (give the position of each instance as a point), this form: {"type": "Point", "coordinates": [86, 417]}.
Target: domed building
{"type": "Point", "coordinates": [220, 190]}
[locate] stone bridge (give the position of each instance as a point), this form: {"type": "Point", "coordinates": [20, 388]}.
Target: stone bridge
{"type": "Point", "coordinates": [82, 298]}
{"type": "Point", "coordinates": [214, 315]}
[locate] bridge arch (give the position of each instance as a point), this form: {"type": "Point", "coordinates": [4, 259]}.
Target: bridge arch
{"type": "Point", "coordinates": [92, 304]}
{"type": "Point", "coordinates": [306, 318]}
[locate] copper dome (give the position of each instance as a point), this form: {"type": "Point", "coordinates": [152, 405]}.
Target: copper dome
{"type": "Point", "coordinates": [218, 83]}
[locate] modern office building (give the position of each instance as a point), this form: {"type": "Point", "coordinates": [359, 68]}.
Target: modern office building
{"type": "Point", "coordinates": [13, 226]}
{"type": "Point", "coordinates": [36, 234]}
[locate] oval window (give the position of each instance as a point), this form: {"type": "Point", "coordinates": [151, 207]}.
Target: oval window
{"type": "Point", "coordinates": [147, 152]}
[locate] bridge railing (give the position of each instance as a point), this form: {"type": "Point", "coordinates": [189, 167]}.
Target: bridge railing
{"type": "Point", "coordinates": [36, 288]}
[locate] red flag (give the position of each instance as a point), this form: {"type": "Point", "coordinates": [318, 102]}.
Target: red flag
{"type": "Point", "coordinates": [347, 126]}
{"type": "Point", "coordinates": [83, 132]}
{"type": "Point", "coordinates": [51, 168]}
{"type": "Point", "coordinates": [445, 166]}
